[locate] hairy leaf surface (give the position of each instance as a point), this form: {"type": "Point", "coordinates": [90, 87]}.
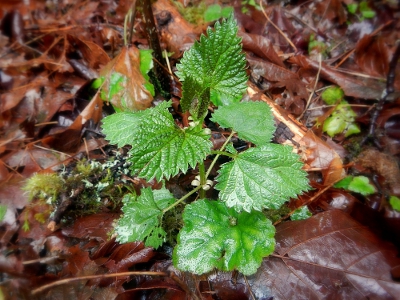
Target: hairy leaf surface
{"type": "Point", "coordinates": [142, 216]}
{"type": "Point", "coordinates": [215, 236]}
{"type": "Point", "coordinates": [253, 121]}
{"type": "Point", "coordinates": [161, 148]}
{"type": "Point", "coordinates": [217, 62]}
{"type": "Point", "coordinates": [263, 177]}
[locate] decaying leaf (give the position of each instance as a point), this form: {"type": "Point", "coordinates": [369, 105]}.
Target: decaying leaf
{"type": "Point", "coordinates": [175, 31]}
{"type": "Point", "coordinates": [352, 86]}
{"type": "Point", "coordinates": [328, 256]}
{"type": "Point", "coordinates": [124, 82]}
{"type": "Point", "coordinates": [372, 56]}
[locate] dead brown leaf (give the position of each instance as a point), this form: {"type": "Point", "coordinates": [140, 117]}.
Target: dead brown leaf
{"type": "Point", "coordinates": [328, 256]}
{"type": "Point", "coordinates": [175, 31]}
{"type": "Point", "coordinates": [261, 46]}
{"type": "Point", "coordinates": [352, 86]}
{"type": "Point", "coordinates": [372, 56]}
{"type": "Point", "coordinates": [133, 95]}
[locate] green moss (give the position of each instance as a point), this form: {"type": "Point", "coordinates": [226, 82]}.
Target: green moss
{"type": "Point", "coordinates": [192, 14]}
{"type": "Point", "coordinates": [316, 46]}
{"type": "Point", "coordinates": [85, 169]}
{"type": "Point", "coordinates": [44, 186]}
{"type": "Point", "coordinates": [92, 186]}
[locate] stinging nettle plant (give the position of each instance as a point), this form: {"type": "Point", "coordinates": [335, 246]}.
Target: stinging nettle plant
{"type": "Point", "coordinates": [231, 232]}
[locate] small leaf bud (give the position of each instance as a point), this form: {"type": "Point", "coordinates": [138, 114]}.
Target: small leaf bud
{"type": "Point", "coordinates": [207, 130]}
{"type": "Point", "coordinates": [195, 182]}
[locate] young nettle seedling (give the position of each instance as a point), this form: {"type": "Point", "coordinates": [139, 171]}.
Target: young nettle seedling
{"type": "Point", "coordinates": [342, 119]}
{"type": "Point", "coordinates": [230, 232]}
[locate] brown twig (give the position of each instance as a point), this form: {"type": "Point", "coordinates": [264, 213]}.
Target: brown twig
{"type": "Point", "coordinates": [277, 28]}
{"type": "Point", "coordinates": [388, 90]}
{"type": "Point", "coordinates": [154, 42]}
{"type": "Point", "coordinates": [68, 280]}
{"type": "Point", "coordinates": [314, 88]}
{"type": "Point", "coordinates": [132, 21]}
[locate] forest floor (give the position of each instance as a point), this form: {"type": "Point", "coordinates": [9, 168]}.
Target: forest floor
{"type": "Point", "coordinates": [50, 121]}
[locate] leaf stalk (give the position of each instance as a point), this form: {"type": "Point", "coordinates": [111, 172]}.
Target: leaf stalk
{"type": "Point", "coordinates": [218, 155]}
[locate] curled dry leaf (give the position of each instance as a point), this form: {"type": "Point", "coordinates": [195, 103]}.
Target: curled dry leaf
{"type": "Point", "coordinates": [320, 156]}
{"type": "Point", "coordinates": [328, 256]}
{"type": "Point", "coordinates": [331, 10]}
{"type": "Point", "coordinates": [93, 226]}
{"type": "Point", "coordinates": [92, 53]}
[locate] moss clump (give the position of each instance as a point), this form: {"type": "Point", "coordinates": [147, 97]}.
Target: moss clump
{"type": "Point", "coordinates": [193, 14]}
{"type": "Point", "coordinates": [81, 188]}
{"type": "Point", "coordinates": [44, 186]}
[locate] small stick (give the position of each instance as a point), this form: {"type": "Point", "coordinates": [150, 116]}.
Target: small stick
{"type": "Point", "coordinates": [315, 86]}
{"type": "Point", "coordinates": [277, 28]}
{"type": "Point", "coordinates": [68, 280]}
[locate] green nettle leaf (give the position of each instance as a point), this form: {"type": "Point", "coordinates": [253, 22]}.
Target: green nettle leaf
{"type": "Point", "coordinates": [262, 177]}
{"type": "Point", "coordinates": [244, 117]}
{"type": "Point", "coordinates": [161, 148]}
{"type": "Point", "coordinates": [121, 128]}
{"type": "Point", "coordinates": [142, 217]}
{"type": "Point", "coordinates": [218, 63]}
{"type": "Point", "coordinates": [214, 236]}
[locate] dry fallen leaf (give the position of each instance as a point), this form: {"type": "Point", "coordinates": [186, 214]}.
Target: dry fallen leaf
{"type": "Point", "coordinates": [328, 256]}
{"type": "Point", "coordinates": [131, 93]}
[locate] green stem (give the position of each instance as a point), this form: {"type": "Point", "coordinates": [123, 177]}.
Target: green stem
{"type": "Point", "coordinates": [201, 171]}
{"type": "Point", "coordinates": [203, 178]}
{"type": "Point", "coordinates": [182, 199]}
{"type": "Point", "coordinates": [223, 153]}
{"type": "Point", "coordinates": [218, 155]}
